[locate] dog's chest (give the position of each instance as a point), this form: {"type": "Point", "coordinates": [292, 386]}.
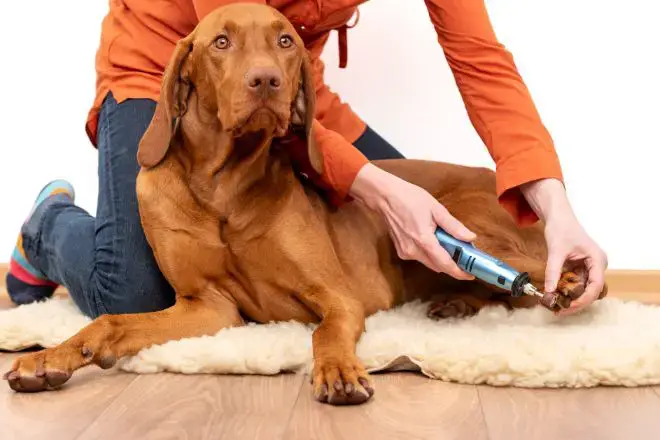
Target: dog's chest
{"type": "Point", "coordinates": [265, 288]}
{"type": "Point", "coordinates": [264, 271]}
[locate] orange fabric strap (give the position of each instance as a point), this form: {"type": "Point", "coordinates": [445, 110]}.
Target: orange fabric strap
{"type": "Point", "coordinates": [342, 40]}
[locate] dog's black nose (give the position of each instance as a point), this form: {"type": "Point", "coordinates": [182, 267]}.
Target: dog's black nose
{"type": "Point", "coordinates": [264, 79]}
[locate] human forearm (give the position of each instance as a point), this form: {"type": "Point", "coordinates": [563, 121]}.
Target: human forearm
{"type": "Point", "coordinates": [547, 198]}
{"type": "Point", "coordinates": [497, 101]}
{"type": "Point", "coordinates": [568, 242]}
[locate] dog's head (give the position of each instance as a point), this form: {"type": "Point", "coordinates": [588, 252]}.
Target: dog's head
{"type": "Point", "coordinates": [247, 66]}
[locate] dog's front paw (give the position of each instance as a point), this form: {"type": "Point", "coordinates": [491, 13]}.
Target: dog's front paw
{"type": "Point", "coordinates": [341, 382]}
{"type": "Point", "coordinates": [35, 372]}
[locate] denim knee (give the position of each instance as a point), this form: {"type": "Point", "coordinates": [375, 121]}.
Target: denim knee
{"type": "Point", "coordinates": [139, 291]}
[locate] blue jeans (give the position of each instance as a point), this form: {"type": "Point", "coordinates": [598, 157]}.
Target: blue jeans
{"type": "Point", "coordinates": [105, 261]}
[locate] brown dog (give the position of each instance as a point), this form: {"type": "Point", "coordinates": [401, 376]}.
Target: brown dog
{"type": "Point", "coordinates": [239, 235]}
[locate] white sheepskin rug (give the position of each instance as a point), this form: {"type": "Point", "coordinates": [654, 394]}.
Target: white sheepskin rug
{"type": "Point", "coordinates": [613, 343]}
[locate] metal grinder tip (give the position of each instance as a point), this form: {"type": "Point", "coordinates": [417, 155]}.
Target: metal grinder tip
{"type": "Point", "coordinates": [529, 289]}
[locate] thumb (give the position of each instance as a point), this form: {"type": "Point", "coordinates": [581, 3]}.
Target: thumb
{"type": "Point", "coordinates": [455, 228]}
{"type": "Point", "coordinates": [553, 270]}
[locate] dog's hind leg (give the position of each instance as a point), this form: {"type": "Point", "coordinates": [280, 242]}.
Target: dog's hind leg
{"type": "Point", "coordinates": [111, 337]}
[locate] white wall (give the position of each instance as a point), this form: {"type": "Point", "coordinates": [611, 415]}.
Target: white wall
{"type": "Point", "coordinates": [591, 65]}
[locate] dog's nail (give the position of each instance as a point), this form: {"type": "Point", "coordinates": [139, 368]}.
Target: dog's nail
{"type": "Point", "coordinates": [323, 395]}
{"type": "Point", "coordinates": [349, 388]}
{"type": "Point", "coordinates": [339, 386]}
{"type": "Point", "coordinates": [86, 352]}
{"type": "Point", "coordinates": [362, 394]}
{"type": "Point", "coordinates": [365, 384]}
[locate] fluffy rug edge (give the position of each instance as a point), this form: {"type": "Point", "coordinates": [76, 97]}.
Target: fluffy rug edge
{"type": "Point", "coordinates": [614, 343]}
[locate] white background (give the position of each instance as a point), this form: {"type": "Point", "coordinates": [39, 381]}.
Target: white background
{"type": "Point", "coordinates": [592, 67]}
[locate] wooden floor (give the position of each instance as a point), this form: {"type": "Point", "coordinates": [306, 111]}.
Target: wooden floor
{"type": "Point", "coordinates": [115, 405]}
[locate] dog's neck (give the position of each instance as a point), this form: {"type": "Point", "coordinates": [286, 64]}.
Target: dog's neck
{"type": "Point", "coordinates": [228, 173]}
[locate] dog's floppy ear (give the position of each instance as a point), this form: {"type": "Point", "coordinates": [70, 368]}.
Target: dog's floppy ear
{"type": "Point", "coordinates": [174, 93]}
{"type": "Point", "coordinates": [304, 112]}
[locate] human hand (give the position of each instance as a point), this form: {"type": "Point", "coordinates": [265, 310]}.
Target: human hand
{"type": "Point", "coordinates": [569, 245]}
{"type": "Point", "coordinates": [412, 216]}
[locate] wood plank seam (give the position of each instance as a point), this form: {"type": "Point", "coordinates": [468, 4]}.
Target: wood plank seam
{"type": "Point", "coordinates": [656, 390]}
{"type": "Point", "coordinates": [293, 407]}
{"type": "Point", "coordinates": [483, 412]}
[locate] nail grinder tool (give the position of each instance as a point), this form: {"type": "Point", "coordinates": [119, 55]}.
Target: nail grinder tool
{"type": "Point", "coordinates": [491, 270]}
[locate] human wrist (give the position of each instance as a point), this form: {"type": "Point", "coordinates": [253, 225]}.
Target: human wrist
{"type": "Point", "coordinates": [369, 186]}
{"type": "Point", "coordinates": [547, 198]}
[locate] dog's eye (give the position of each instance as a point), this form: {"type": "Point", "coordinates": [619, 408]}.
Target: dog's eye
{"type": "Point", "coordinates": [222, 42]}
{"type": "Point", "coordinates": [285, 41]}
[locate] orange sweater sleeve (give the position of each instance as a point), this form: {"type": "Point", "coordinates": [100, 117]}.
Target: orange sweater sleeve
{"type": "Point", "coordinates": [498, 103]}
{"type": "Point", "coordinates": [341, 162]}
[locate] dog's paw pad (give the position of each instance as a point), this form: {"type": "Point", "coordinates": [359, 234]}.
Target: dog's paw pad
{"type": "Point", "coordinates": [26, 383]}
{"type": "Point", "coordinates": [31, 374]}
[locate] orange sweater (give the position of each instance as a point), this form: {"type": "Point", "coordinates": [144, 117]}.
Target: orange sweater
{"type": "Point", "coordinates": [138, 37]}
